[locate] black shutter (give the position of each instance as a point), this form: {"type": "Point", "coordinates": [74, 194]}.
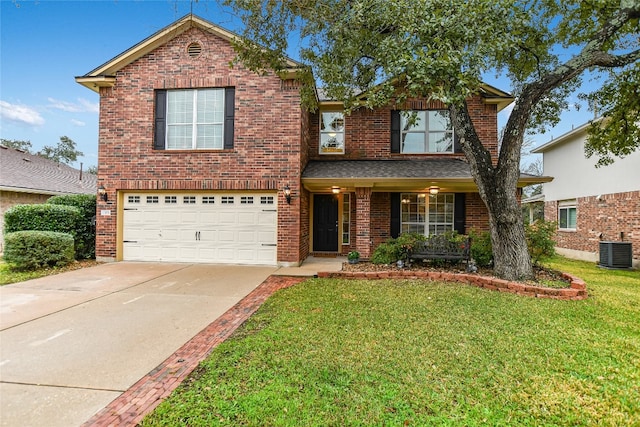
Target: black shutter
{"type": "Point", "coordinates": [457, 148]}
{"type": "Point", "coordinates": [395, 215]}
{"type": "Point", "coordinates": [229, 112]}
{"type": "Point", "coordinates": [159, 134]}
{"type": "Point", "coordinates": [395, 131]}
{"type": "Point", "coordinates": [459, 213]}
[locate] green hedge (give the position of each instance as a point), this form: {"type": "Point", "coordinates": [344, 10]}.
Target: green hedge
{"type": "Point", "coordinates": [30, 249]}
{"type": "Point", "coordinates": [85, 236]}
{"type": "Point", "coordinates": [43, 217]}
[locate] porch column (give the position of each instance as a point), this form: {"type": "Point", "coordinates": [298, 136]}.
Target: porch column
{"type": "Point", "coordinates": [363, 221]}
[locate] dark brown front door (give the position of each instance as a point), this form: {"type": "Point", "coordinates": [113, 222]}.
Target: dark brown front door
{"type": "Point", "coordinates": [325, 223]}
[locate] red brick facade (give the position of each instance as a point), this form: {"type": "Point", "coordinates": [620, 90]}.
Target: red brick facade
{"type": "Point", "coordinates": [274, 140]}
{"type": "Point", "coordinates": [609, 217]}
{"type": "Point", "coordinates": [368, 132]}
{"type": "Point", "coordinates": [262, 159]}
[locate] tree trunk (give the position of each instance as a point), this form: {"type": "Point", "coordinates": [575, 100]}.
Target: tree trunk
{"type": "Point", "coordinates": [497, 186]}
{"type": "Point", "coordinates": [511, 258]}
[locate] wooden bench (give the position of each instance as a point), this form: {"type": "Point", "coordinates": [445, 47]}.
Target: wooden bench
{"type": "Point", "coordinates": [440, 247]}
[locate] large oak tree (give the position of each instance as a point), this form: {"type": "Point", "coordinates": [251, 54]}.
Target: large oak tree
{"type": "Point", "coordinates": [441, 49]}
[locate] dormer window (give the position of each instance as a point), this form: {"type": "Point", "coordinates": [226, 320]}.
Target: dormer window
{"type": "Point", "coordinates": [332, 132]}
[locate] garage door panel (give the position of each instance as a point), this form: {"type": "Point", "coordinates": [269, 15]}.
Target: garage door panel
{"type": "Point", "coordinates": [226, 236]}
{"type": "Point", "coordinates": [227, 218]}
{"type": "Point", "coordinates": [247, 237]}
{"type": "Point", "coordinates": [207, 227]}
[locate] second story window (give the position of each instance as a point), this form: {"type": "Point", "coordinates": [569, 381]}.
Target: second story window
{"type": "Point", "coordinates": [422, 132]}
{"type": "Point", "coordinates": [194, 119]}
{"type": "Point", "coordinates": [426, 132]}
{"type": "Point", "coordinates": [331, 132]}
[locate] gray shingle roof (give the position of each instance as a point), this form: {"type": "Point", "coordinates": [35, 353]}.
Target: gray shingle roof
{"type": "Point", "coordinates": [24, 172]}
{"type": "Point", "coordinates": [427, 168]}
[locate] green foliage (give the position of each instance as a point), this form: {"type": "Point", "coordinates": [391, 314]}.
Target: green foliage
{"type": "Point", "coordinates": [386, 252]}
{"type": "Point", "coordinates": [407, 241]}
{"type": "Point", "coordinates": [540, 240]}
{"type": "Point", "coordinates": [30, 250]}
{"type": "Point", "coordinates": [481, 248]}
{"type": "Point", "coordinates": [44, 217]}
{"type": "Point", "coordinates": [353, 255]}
{"type": "Point", "coordinates": [85, 233]}
{"type": "Point", "coordinates": [64, 152]}
{"type": "Point", "coordinates": [618, 135]}
{"type": "Point", "coordinates": [17, 144]}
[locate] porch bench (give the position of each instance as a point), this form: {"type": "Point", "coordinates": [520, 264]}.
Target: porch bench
{"type": "Point", "coordinates": [440, 247]}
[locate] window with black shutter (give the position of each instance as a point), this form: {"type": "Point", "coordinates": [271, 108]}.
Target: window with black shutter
{"type": "Point", "coordinates": [194, 119]}
{"type": "Point", "coordinates": [423, 132]}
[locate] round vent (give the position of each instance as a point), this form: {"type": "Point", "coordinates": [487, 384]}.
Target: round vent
{"type": "Point", "coordinates": [194, 50]}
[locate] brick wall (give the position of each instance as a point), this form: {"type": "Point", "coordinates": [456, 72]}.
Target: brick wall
{"type": "Point", "coordinates": [475, 210]}
{"type": "Point", "coordinates": [267, 127]}
{"type": "Point", "coordinates": [368, 132]}
{"type": "Point", "coordinates": [601, 219]}
{"type": "Point", "coordinates": [477, 216]}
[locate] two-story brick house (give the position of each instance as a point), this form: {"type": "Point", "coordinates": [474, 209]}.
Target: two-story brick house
{"type": "Point", "coordinates": [204, 162]}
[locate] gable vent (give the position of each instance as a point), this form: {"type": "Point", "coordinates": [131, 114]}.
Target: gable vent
{"type": "Point", "coordinates": [194, 50]}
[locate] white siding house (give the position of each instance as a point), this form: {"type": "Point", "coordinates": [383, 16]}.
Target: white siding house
{"type": "Point", "coordinates": [590, 204]}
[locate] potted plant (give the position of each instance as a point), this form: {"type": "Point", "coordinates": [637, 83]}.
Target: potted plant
{"type": "Point", "coordinates": [353, 257]}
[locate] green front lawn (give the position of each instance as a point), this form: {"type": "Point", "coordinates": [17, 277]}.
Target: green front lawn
{"type": "Point", "coordinates": [10, 275]}
{"type": "Point", "coordinates": [357, 352]}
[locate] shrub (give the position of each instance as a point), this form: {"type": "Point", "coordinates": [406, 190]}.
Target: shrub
{"type": "Point", "coordinates": [540, 240]}
{"type": "Point", "coordinates": [394, 249]}
{"type": "Point", "coordinates": [386, 252]}
{"type": "Point", "coordinates": [44, 217]}
{"type": "Point", "coordinates": [30, 250]}
{"type": "Point", "coordinates": [85, 236]}
{"type": "Point", "coordinates": [408, 241]}
{"type": "Point", "coordinates": [481, 248]}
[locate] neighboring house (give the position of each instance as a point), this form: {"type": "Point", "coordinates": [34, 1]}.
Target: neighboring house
{"type": "Point", "coordinates": [590, 204]}
{"type": "Point", "coordinates": [30, 179]}
{"type": "Point", "coordinates": [533, 208]}
{"type": "Point", "coordinates": [203, 162]}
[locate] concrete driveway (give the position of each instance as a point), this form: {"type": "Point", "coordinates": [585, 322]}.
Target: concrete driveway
{"type": "Point", "coordinates": [71, 343]}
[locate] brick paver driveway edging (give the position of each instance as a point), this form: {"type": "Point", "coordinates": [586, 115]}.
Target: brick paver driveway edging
{"type": "Point", "coordinates": [131, 406]}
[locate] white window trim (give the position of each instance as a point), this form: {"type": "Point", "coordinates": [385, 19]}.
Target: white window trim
{"type": "Point", "coordinates": [567, 205]}
{"type": "Point", "coordinates": [426, 132]}
{"type": "Point", "coordinates": [426, 223]}
{"type": "Point", "coordinates": [346, 218]}
{"type": "Point", "coordinates": [331, 151]}
{"type": "Point", "coordinates": [194, 121]}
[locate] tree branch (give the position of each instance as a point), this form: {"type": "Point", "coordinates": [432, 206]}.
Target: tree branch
{"type": "Point", "coordinates": [592, 55]}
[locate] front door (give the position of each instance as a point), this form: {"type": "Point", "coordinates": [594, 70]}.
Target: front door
{"type": "Point", "coordinates": [325, 223]}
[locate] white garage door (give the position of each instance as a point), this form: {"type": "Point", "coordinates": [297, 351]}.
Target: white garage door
{"type": "Point", "coordinates": [207, 227]}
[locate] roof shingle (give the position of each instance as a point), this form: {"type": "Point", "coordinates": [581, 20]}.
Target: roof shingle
{"type": "Point", "coordinates": [24, 172]}
{"type": "Point", "coordinates": [427, 168]}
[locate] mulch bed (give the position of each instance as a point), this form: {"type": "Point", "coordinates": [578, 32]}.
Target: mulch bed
{"type": "Point", "coordinates": [544, 276]}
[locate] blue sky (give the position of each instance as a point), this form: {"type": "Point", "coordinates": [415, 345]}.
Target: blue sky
{"type": "Point", "coordinates": [45, 44]}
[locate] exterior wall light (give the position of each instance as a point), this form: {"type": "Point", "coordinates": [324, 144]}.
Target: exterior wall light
{"type": "Point", "coordinates": [335, 190]}
{"type": "Point", "coordinates": [287, 193]}
{"type": "Point", "coordinates": [102, 192]}
{"type": "Point", "coordinates": [434, 190]}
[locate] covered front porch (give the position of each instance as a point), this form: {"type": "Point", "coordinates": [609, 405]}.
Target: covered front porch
{"type": "Point", "coordinates": [358, 204]}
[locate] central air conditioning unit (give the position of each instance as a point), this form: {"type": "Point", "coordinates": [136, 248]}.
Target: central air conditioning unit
{"type": "Point", "coordinates": [615, 255]}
